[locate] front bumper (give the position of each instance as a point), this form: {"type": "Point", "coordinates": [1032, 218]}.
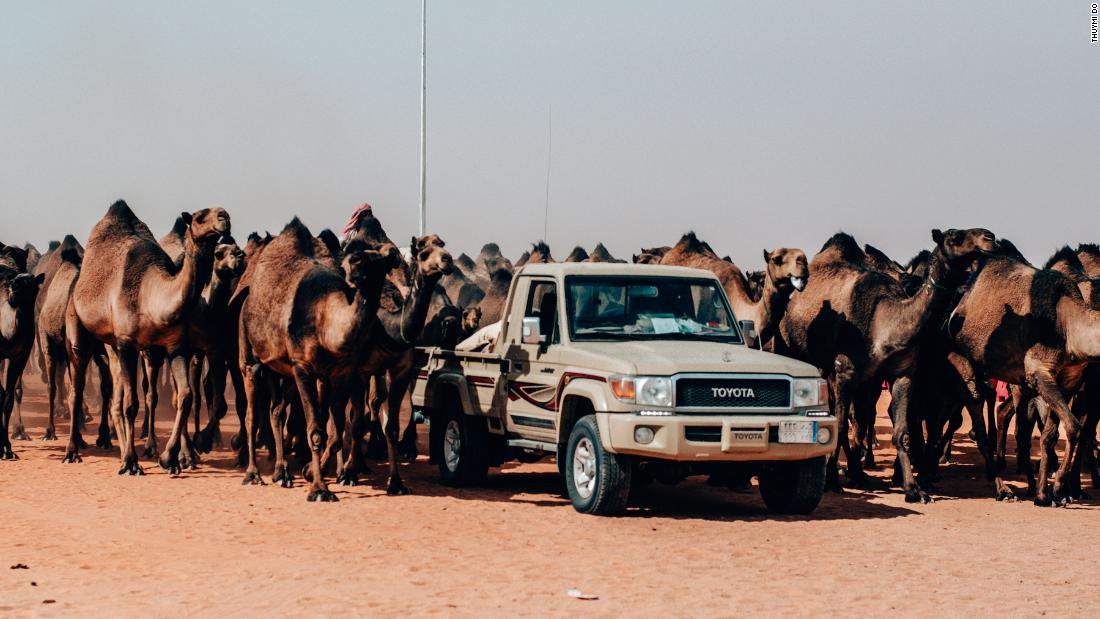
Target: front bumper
{"type": "Point", "coordinates": [706, 438]}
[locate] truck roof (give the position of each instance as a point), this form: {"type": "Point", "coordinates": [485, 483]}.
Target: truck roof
{"type": "Point", "coordinates": [559, 269]}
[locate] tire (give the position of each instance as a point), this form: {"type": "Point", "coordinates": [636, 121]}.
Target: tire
{"type": "Point", "coordinates": [463, 456]}
{"type": "Point", "coordinates": [598, 482]}
{"type": "Point", "coordinates": [793, 487]}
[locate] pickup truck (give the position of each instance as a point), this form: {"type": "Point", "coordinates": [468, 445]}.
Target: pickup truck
{"type": "Point", "coordinates": [627, 373]}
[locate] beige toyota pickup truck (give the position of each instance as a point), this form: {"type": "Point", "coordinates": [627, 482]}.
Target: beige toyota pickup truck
{"type": "Point", "coordinates": [627, 372]}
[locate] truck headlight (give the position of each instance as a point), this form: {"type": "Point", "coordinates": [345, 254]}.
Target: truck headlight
{"type": "Point", "coordinates": [648, 390]}
{"type": "Point", "coordinates": [809, 392]}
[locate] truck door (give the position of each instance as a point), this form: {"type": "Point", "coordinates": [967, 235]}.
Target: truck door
{"type": "Point", "coordinates": [536, 370]}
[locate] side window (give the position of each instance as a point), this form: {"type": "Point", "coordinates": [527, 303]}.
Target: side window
{"type": "Point", "coordinates": [542, 303]}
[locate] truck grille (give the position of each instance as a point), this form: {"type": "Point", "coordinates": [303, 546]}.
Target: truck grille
{"type": "Point", "coordinates": [713, 434]}
{"type": "Point", "coordinates": [733, 393]}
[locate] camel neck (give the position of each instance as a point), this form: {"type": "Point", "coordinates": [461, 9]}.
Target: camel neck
{"type": "Point", "coordinates": [770, 309]}
{"type": "Point", "coordinates": [184, 288]}
{"type": "Point", "coordinates": [910, 316]}
{"type": "Point", "coordinates": [1080, 326]}
{"type": "Point", "coordinates": [415, 309]}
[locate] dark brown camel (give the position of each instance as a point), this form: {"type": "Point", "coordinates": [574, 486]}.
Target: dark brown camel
{"type": "Point", "coordinates": [1033, 328]}
{"type": "Point", "coordinates": [577, 255]}
{"type": "Point", "coordinates": [540, 254]}
{"type": "Point", "coordinates": [865, 316]}
{"type": "Point", "coordinates": [301, 319]}
{"type": "Point", "coordinates": [650, 255]}
{"type": "Point", "coordinates": [466, 265]}
{"type": "Point", "coordinates": [786, 271]}
{"type": "Point", "coordinates": [18, 290]}
{"type": "Point", "coordinates": [492, 300]}
{"type": "Point", "coordinates": [213, 340]}
{"type": "Point", "coordinates": [131, 297]}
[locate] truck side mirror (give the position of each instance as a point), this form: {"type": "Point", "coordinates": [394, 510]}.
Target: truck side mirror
{"type": "Point", "coordinates": [752, 338]}
{"type": "Point", "coordinates": [531, 331]}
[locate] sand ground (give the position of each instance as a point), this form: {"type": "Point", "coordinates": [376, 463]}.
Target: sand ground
{"type": "Point", "coordinates": [201, 545]}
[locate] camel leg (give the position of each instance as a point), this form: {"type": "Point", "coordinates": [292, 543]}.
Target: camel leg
{"type": "Point", "coordinates": [1005, 411]}
{"type": "Point", "coordinates": [353, 460]}
{"type": "Point", "coordinates": [278, 415]}
{"type": "Point", "coordinates": [170, 457]}
{"type": "Point", "coordinates": [77, 344]}
{"type": "Point", "coordinates": [337, 420]}
{"type": "Point", "coordinates": [124, 408]}
{"type": "Point", "coordinates": [947, 441]}
{"type": "Point", "coordinates": [103, 438]}
{"type": "Point", "coordinates": [1048, 438]}
{"type": "Point", "coordinates": [1027, 417]}
{"type": "Point", "coordinates": [194, 384]}
{"type": "Point", "coordinates": [252, 374]}
{"type": "Point", "coordinates": [54, 372]}
{"type": "Point", "coordinates": [15, 403]}
{"type": "Point", "coordinates": [214, 385]}
{"type": "Point", "coordinates": [152, 362]}
{"type": "Point", "coordinates": [378, 394]}
{"type": "Point", "coordinates": [307, 391]}
{"type": "Point", "coordinates": [904, 442]}
{"type": "Point", "coordinates": [1052, 396]}
{"type": "Point", "coordinates": [146, 385]}
{"type": "Point", "coordinates": [240, 400]}
{"type": "Point", "coordinates": [976, 406]}
{"type": "Point", "coordinates": [399, 384]}
{"type": "Point", "coordinates": [6, 452]}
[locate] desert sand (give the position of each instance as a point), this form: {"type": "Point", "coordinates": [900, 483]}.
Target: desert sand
{"type": "Point", "coordinates": [202, 545]}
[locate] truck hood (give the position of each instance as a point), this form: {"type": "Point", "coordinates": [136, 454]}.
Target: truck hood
{"type": "Point", "coordinates": [665, 358]}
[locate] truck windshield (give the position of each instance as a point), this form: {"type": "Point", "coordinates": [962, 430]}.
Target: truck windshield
{"type": "Point", "coordinates": [648, 308]}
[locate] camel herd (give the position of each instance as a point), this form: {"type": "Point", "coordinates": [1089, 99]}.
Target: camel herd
{"type": "Point", "coordinates": [317, 336]}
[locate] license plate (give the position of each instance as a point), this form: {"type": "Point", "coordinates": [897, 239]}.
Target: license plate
{"type": "Point", "coordinates": [797, 431]}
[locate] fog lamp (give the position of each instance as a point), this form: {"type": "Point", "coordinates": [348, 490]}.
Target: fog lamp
{"type": "Point", "coordinates": [823, 435]}
{"type": "Point", "coordinates": [643, 435]}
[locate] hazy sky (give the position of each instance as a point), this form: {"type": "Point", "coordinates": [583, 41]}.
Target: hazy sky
{"type": "Point", "coordinates": [757, 124]}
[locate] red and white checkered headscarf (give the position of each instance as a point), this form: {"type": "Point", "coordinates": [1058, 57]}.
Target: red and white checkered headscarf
{"type": "Point", "coordinates": [350, 226]}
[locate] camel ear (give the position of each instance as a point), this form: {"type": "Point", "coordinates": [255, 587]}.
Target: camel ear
{"type": "Point", "coordinates": [937, 236]}
{"type": "Point", "coordinates": [767, 256]}
{"type": "Point", "coordinates": [38, 279]}
{"type": "Point", "coordinates": [186, 217]}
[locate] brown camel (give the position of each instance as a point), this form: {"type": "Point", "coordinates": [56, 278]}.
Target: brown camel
{"type": "Point", "coordinates": [523, 258]}
{"type": "Point", "coordinates": [301, 319]}
{"type": "Point", "coordinates": [600, 254]}
{"type": "Point", "coordinates": [487, 261]}
{"type": "Point", "coordinates": [18, 290]}
{"type": "Point", "coordinates": [865, 316]}
{"type": "Point", "coordinates": [577, 255]}
{"type": "Point", "coordinates": [785, 272]}
{"type": "Point", "coordinates": [491, 300]}
{"type": "Point", "coordinates": [131, 297]}
{"type": "Point", "coordinates": [1033, 328]}
{"type": "Point", "coordinates": [466, 265]}
{"type": "Point", "coordinates": [51, 335]}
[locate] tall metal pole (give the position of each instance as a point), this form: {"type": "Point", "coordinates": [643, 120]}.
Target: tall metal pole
{"type": "Point", "coordinates": [549, 155]}
{"type": "Point", "coordinates": [423, 114]}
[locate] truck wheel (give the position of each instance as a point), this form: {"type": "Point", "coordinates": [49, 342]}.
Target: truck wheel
{"type": "Point", "coordinates": [793, 487]}
{"type": "Point", "coordinates": [598, 481]}
{"type": "Point", "coordinates": [463, 456]}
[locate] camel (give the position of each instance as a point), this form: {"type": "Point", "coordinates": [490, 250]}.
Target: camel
{"type": "Point", "coordinates": [523, 258]}
{"type": "Point", "coordinates": [454, 281]}
{"type": "Point", "coordinates": [1033, 328]}
{"type": "Point", "coordinates": [489, 260]}
{"type": "Point", "coordinates": [466, 265]}
{"type": "Point", "coordinates": [33, 256]}
{"type": "Point", "coordinates": [540, 254]}
{"type": "Point", "coordinates": [651, 255]}
{"type": "Point", "coordinates": [785, 272]}
{"type": "Point", "coordinates": [847, 309]}
{"type": "Point", "coordinates": [18, 290]}
{"type": "Point", "coordinates": [213, 339]}
{"type": "Point", "coordinates": [577, 255]}
{"type": "Point", "coordinates": [492, 299]}
{"type": "Point", "coordinates": [600, 254]}
{"type": "Point", "coordinates": [131, 296]}
{"type": "Point", "coordinates": [404, 309]}
{"type": "Point", "coordinates": [877, 260]}
{"type": "Point", "coordinates": [754, 281]}
{"type": "Point", "coordinates": [301, 319]}
{"type": "Point", "coordinates": [63, 271]}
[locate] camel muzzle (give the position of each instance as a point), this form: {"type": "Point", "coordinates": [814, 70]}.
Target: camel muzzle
{"type": "Point", "coordinates": [799, 283]}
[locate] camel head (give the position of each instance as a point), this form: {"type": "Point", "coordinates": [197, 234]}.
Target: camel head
{"type": "Point", "coordinates": [961, 247]}
{"type": "Point", "coordinates": [430, 256]}
{"type": "Point", "coordinates": [540, 254]}
{"type": "Point", "coordinates": [471, 320]}
{"type": "Point", "coordinates": [366, 265]}
{"type": "Point", "coordinates": [787, 268]}
{"type": "Point", "coordinates": [651, 255]}
{"type": "Point", "coordinates": [23, 289]}
{"type": "Point", "coordinates": [14, 257]}
{"type": "Point", "coordinates": [229, 259]}
{"type": "Point", "coordinates": [208, 224]}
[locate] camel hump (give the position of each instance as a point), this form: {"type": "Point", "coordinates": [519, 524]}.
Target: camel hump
{"type": "Point", "coordinates": [845, 246]}
{"type": "Point", "coordinates": [121, 210]}
{"type": "Point", "coordinates": [490, 249]}
{"type": "Point", "coordinates": [1066, 257]}
{"type": "Point", "coordinates": [301, 236]}
{"type": "Point", "coordinates": [54, 244]}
